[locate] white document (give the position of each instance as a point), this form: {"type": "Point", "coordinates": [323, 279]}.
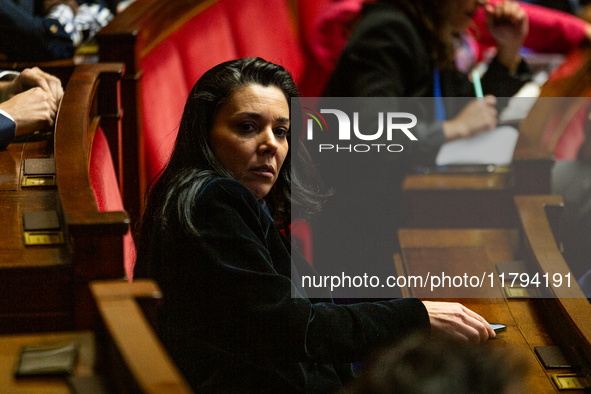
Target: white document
{"type": "Point", "coordinates": [520, 104]}
{"type": "Point", "coordinates": [493, 147]}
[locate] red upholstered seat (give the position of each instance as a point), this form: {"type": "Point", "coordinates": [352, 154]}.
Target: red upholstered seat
{"type": "Point", "coordinates": [224, 31]}
{"type": "Point", "coordinates": [106, 191]}
{"type": "Point", "coordinates": [571, 140]}
{"type": "Point", "coordinates": [266, 28]}
{"type": "Point", "coordinates": [301, 232]}
{"type": "Point", "coordinates": [570, 66]}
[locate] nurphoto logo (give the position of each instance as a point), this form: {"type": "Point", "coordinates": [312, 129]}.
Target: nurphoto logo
{"type": "Point", "coordinates": [395, 122]}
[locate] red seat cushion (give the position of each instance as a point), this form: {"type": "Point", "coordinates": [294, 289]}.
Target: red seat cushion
{"type": "Point", "coordinates": [301, 232]}
{"type": "Point", "coordinates": [106, 191]}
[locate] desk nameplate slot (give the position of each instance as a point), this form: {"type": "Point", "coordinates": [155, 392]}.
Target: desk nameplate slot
{"type": "Point", "coordinates": [43, 238]}
{"type": "Point", "coordinates": [44, 166]}
{"type": "Point", "coordinates": [38, 181]}
{"type": "Point", "coordinates": [523, 292]}
{"type": "Point", "coordinates": [570, 381]}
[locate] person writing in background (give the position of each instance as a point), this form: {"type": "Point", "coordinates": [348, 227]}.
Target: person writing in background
{"type": "Point", "coordinates": [215, 236]}
{"type": "Point", "coordinates": [28, 102]}
{"type": "Point", "coordinates": [404, 51]}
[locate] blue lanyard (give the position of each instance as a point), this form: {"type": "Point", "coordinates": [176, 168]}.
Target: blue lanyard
{"type": "Point", "coordinates": [439, 106]}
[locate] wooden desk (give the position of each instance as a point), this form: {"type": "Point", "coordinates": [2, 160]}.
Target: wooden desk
{"type": "Point", "coordinates": [124, 356]}
{"type": "Point", "coordinates": [10, 346]}
{"type": "Point", "coordinates": [26, 289]}
{"type": "Point", "coordinates": [444, 200]}
{"type": "Point", "coordinates": [44, 287]}
{"type": "Point", "coordinates": [531, 322]}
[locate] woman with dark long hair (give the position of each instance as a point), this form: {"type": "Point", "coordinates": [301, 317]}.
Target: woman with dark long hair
{"type": "Point", "coordinates": [235, 316]}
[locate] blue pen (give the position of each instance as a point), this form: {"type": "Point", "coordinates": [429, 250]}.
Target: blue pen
{"type": "Point", "coordinates": [477, 83]}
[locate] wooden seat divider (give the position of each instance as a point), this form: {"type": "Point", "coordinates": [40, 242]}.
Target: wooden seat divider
{"type": "Point", "coordinates": [45, 268]}
{"type": "Point", "coordinates": [95, 238]}
{"type": "Point", "coordinates": [568, 312]}
{"type": "Point", "coordinates": [138, 362]}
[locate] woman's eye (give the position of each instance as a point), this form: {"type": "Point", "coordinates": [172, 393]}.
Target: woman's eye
{"type": "Point", "coordinates": [247, 127]}
{"type": "Point", "coordinates": [281, 132]}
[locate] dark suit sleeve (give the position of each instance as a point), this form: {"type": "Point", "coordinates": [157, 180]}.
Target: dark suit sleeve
{"type": "Point", "coordinates": [7, 131]}
{"type": "Point", "coordinates": [235, 292]}
{"type": "Point", "coordinates": [26, 37]}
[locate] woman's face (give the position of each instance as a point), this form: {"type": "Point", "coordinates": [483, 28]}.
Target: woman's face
{"type": "Point", "coordinates": [249, 136]}
{"type": "Point", "coordinates": [461, 13]}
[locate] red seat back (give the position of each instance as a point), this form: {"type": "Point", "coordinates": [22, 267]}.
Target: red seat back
{"type": "Point", "coordinates": [106, 190]}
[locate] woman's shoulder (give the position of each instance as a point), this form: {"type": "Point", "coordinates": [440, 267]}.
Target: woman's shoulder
{"type": "Point", "coordinates": [226, 192]}
{"type": "Point", "coordinates": [219, 186]}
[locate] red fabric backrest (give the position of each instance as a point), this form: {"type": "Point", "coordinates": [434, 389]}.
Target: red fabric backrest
{"type": "Point", "coordinates": [228, 29]}
{"type": "Point", "coordinates": [571, 140]}
{"type": "Point", "coordinates": [301, 232]}
{"type": "Point", "coordinates": [106, 191]}
{"type": "Point", "coordinates": [571, 65]}
{"type": "Point", "coordinates": [266, 28]}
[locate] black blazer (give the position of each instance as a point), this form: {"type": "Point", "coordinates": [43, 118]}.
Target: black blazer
{"type": "Point", "coordinates": [236, 318]}
{"type": "Point", "coordinates": [28, 36]}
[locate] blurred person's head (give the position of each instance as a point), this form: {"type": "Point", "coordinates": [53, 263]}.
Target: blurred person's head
{"type": "Point", "coordinates": [425, 365]}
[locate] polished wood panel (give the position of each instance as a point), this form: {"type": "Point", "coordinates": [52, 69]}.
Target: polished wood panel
{"type": "Point", "coordinates": [569, 314]}
{"type": "Point", "coordinates": [564, 320]}
{"type": "Point", "coordinates": [10, 346]}
{"type": "Point", "coordinates": [96, 237]}
{"type": "Point", "coordinates": [45, 287]}
{"type": "Point", "coordinates": [135, 342]}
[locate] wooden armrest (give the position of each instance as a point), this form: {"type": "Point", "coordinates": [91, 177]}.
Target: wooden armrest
{"type": "Point", "coordinates": [570, 302]}
{"type": "Point", "coordinates": [141, 350]}
{"type": "Point", "coordinates": [72, 135]}
{"type": "Point", "coordinates": [541, 240]}
{"type": "Point", "coordinates": [123, 290]}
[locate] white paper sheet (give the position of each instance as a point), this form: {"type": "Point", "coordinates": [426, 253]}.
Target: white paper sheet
{"type": "Point", "coordinates": [493, 147]}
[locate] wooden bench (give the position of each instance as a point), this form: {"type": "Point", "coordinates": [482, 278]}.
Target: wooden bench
{"type": "Point", "coordinates": [46, 270]}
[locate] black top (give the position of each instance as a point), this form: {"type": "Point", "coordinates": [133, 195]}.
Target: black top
{"type": "Point", "coordinates": [229, 319]}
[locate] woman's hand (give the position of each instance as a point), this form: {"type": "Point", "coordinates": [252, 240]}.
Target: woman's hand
{"type": "Point", "coordinates": [455, 321]}
{"type": "Point", "coordinates": [478, 116]}
{"type": "Point", "coordinates": [507, 22]}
